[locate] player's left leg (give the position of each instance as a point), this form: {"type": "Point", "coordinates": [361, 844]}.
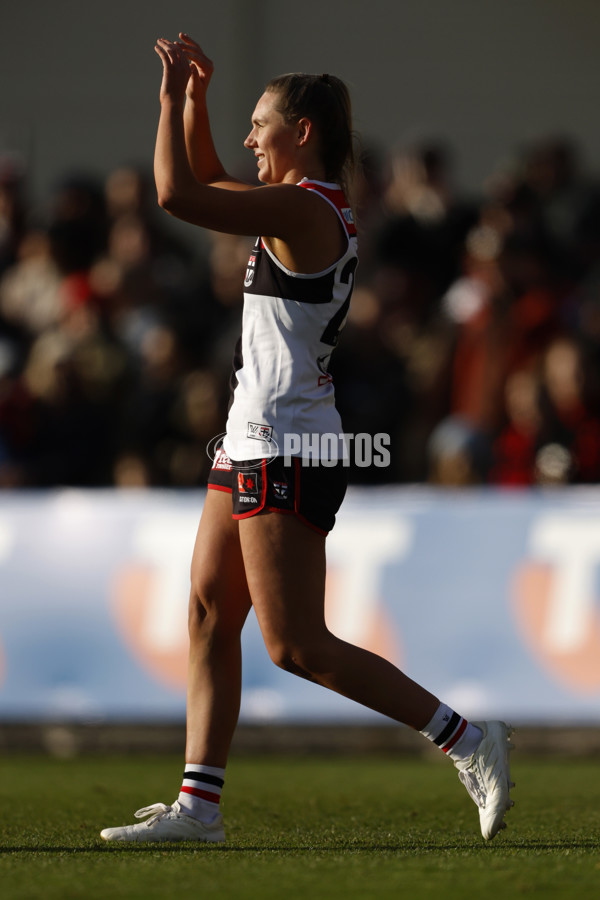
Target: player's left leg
{"type": "Point", "coordinates": [285, 570]}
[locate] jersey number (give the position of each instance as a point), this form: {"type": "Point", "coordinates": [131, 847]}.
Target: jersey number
{"type": "Point", "coordinates": [336, 323]}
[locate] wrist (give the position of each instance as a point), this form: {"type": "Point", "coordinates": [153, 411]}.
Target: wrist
{"type": "Point", "coordinates": [196, 99]}
{"type": "Point", "coordinates": [169, 102]}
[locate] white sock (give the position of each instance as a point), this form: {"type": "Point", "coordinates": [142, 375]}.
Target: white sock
{"type": "Point", "coordinates": [201, 791]}
{"type": "Point", "coordinates": [452, 733]}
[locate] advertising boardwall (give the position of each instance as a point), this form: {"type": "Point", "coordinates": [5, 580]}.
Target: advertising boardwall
{"type": "Point", "coordinates": [489, 599]}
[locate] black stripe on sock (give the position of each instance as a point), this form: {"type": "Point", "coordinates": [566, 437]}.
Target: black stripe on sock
{"type": "Point", "coordinates": [203, 776]}
{"type": "Point", "coordinates": [448, 730]}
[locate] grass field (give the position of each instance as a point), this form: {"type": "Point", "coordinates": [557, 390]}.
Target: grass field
{"type": "Point", "coordinates": [299, 827]}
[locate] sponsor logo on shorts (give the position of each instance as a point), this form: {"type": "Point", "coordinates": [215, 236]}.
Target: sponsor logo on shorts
{"type": "Point", "coordinates": [222, 461]}
{"type": "Point", "coordinates": [259, 432]}
{"type": "Point", "coordinates": [247, 483]}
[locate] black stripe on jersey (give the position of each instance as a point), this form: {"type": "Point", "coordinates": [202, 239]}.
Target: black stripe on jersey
{"type": "Point", "coordinates": [238, 362]}
{"type": "Point", "coordinates": [271, 281]}
{"type": "Point", "coordinates": [446, 733]}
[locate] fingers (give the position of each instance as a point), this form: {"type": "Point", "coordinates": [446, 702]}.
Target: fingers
{"type": "Point", "coordinates": [184, 59]}
{"type": "Point", "coordinates": [191, 43]}
{"type": "Point", "coordinates": [194, 52]}
{"type": "Point", "coordinates": [169, 49]}
{"type": "Point", "coordinates": [171, 54]}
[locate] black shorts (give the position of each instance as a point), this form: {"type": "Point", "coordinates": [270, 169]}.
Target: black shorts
{"type": "Point", "coordinates": [313, 493]}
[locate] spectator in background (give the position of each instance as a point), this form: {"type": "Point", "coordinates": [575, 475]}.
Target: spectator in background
{"type": "Point", "coordinates": [565, 200]}
{"type": "Point", "coordinates": [506, 310]}
{"type": "Point", "coordinates": [413, 253]}
{"type": "Point", "coordinates": [424, 207]}
{"type": "Point", "coordinates": [571, 411]}
{"type": "Point", "coordinates": [517, 442]}
{"type": "Point", "coordinates": [458, 454]}
{"type": "Point", "coordinates": [30, 297]}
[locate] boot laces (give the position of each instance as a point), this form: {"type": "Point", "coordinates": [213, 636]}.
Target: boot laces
{"type": "Point", "coordinates": [473, 786]}
{"type": "Point", "coordinates": [157, 811]}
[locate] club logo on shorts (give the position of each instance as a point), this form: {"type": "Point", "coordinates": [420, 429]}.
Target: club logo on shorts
{"type": "Point", "coordinates": [247, 482]}
{"type": "Point", "coordinates": [259, 432]}
{"type": "Point", "coordinates": [280, 489]}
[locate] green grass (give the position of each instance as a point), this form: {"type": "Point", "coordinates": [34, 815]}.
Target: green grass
{"type": "Point", "coordinates": [300, 828]}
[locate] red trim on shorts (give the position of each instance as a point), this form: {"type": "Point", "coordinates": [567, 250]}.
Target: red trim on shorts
{"type": "Point", "coordinates": [219, 487]}
{"type": "Point", "coordinates": [204, 795]}
{"type": "Point", "coordinates": [248, 515]}
{"type": "Point", "coordinates": [310, 525]}
{"type": "Point", "coordinates": [264, 483]}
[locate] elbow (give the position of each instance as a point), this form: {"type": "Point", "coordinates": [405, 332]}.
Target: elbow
{"type": "Point", "coordinates": [167, 201]}
{"type": "Point", "coordinates": [176, 205]}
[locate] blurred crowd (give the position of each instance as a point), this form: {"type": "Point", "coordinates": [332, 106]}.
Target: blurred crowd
{"type": "Point", "coordinates": [473, 338]}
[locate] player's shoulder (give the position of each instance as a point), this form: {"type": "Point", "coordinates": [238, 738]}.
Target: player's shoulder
{"type": "Point", "coordinates": [335, 195]}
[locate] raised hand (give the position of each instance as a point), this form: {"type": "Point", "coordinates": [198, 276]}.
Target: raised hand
{"type": "Point", "coordinates": [176, 69]}
{"type": "Point", "coordinates": [202, 67]}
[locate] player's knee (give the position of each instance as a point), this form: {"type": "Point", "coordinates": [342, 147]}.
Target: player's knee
{"type": "Point", "coordinates": [197, 615]}
{"type": "Point", "coordinates": [204, 617]}
{"type": "Point", "coordinates": [279, 652]}
{"type": "Point", "coordinates": [284, 659]}
{"type": "Point", "coordinates": [294, 658]}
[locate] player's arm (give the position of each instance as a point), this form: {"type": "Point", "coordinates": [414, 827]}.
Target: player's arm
{"type": "Point", "coordinates": [202, 155]}
{"type": "Point", "coordinates": [280, 211]}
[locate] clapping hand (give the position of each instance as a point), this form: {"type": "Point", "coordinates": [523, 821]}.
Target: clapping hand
{"type": "Point", "coordinates": [176, 69]}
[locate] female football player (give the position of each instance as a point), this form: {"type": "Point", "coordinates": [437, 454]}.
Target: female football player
{"type": "Point", "coordinates": [273, 497]}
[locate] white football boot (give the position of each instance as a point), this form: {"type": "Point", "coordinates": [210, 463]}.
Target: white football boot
{"type": "Point", "coordinates": [486, 776]}
{"type": "Point", "coordinates": [166, 823]}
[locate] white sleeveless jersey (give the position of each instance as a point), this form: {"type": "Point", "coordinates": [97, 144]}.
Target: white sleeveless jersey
{"type": "Point", "coordinates": [291, 323]}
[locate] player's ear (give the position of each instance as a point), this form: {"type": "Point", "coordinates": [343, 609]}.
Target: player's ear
{"type": "Point", "coordinates": [304, 131]}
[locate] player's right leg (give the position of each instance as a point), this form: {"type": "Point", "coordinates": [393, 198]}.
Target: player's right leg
{"type": "Point", "coordinates": [219, 605]}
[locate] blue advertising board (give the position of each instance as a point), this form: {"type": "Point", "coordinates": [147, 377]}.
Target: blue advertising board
{"type": "Point", "coordinates": [489, 599]}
